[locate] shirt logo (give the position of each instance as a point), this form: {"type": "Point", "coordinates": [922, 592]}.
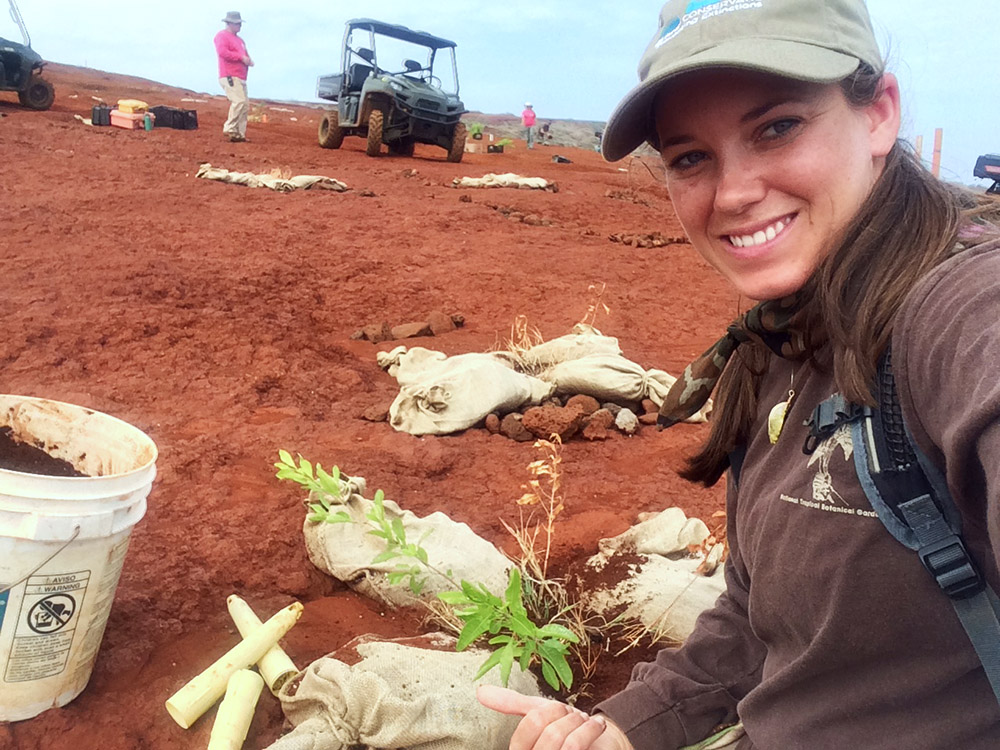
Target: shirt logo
{"type": "Point", "coordinates": [699, 10]}
{"type": "Point", "coordinates": [824, 494]}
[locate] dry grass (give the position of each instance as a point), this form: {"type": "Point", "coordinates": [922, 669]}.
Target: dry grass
{"type": "Point", "coordinates": [595, 306]}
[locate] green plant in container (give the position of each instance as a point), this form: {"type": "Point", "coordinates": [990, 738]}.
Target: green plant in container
{"type": "Point", "coordinates": [475, 130]}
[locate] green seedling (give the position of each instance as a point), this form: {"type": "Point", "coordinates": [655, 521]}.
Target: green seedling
{"type": "Point", "coordinates": [515, 636]}
{"type": "Point", "coordinates": [322, 487]}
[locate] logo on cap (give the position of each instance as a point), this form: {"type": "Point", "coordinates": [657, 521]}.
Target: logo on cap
{"type": "Point", "coordinates": [699, 10]}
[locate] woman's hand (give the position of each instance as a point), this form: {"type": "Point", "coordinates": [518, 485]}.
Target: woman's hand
{"type": "Point", "coordinates": [550, 725]}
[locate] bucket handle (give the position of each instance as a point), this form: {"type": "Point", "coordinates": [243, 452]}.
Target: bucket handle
{"type": "Point", "coordinates": [43, 563]}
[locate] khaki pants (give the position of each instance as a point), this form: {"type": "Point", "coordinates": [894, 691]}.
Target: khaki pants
{"type": "Point", "coordinates": [239, 106]}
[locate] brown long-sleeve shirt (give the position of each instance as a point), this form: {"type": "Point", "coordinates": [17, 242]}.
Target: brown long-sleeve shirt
{"type": "Point", "coordinates": [831, 634]}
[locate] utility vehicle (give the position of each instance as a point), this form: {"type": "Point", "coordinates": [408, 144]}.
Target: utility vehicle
{"type": "Point", "coordinates": [396, 105]}
{"type": "Point", "coordinates": [21, 69]}
{"type": "Point", "coordinates": [988, 168]}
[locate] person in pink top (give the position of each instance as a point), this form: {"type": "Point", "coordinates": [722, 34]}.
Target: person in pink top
{"type": "Point", "coordinates": [528, 121]}
{"type": "Point", "coordinates": [233, 65]}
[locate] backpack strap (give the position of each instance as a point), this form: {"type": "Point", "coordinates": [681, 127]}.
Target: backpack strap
{"type": "Point", "coordinates": [910, 495]}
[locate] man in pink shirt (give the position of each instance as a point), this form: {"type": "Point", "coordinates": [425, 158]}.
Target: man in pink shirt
{"type": "Point", "coordinates": [528, 121]}
{"type": "Point", "coordinates": [233, 65]}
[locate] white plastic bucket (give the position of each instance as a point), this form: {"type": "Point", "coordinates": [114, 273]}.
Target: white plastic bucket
{"type": "Point", "coordinates": [62, 544]}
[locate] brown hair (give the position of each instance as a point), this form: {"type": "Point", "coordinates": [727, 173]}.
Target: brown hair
{"type": "Point", "coordinates": [908, 224]}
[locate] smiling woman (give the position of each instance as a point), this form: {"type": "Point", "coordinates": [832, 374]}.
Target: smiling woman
{"type": "Point", "coordinates": [778, 126]}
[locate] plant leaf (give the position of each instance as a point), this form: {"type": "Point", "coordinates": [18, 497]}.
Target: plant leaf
{"type": "Point", "coordinates": [506, 662]}
{"type": "Point", "coordinates": [487, 665]}
{"type": "Point", "coordinates": [553, 630]}
{"type": "Point", "coordinates": [550, 675]}
{"type": "Point", "coordinates": [475, 626]}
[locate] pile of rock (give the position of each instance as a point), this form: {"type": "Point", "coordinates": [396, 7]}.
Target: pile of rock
{"type": "Point", "coordinates": [434, 324]}
{"type": "Point", "coordinates": [577, 415]}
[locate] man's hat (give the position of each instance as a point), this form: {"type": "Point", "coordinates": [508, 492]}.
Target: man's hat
{"type": "Point", "coordinates": [232, 16]}
{"type": "Point", "coordinates": [803, 39]}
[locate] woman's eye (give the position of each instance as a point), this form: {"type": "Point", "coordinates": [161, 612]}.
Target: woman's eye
{"type": "Point", "coordinates": [688, 160]}
{"type": "Point", "coordinates": [779, 128]}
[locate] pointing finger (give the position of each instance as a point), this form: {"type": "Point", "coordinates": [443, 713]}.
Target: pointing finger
{"type": "Point", "coordinates": [508, 701]}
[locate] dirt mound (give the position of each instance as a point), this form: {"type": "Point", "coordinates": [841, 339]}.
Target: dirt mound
{"type": "Point", "coordinates": [218, 319]}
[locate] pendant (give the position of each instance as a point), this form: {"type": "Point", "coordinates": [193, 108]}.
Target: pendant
{"type": "Point", "coordinates": [776, 417]}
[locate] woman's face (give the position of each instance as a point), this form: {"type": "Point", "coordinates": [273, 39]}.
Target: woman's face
{"type": "Point", "coordinates": [766, 172]}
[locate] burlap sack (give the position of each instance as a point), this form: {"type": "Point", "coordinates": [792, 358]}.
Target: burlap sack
{"type": "Point", "coordinates": [439, 395]}
{"type": "Point", "coordinates": [583, 341]}
{"type": "Point", "coordinates": [412, 693]}
{"type": "Point", "coordinates": [669, 586]}
{"type": "Point", "coordinates": [346, 550]}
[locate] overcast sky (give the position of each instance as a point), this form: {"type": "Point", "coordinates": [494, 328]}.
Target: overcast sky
{"type": "Point", "coordinates": [573, 59]}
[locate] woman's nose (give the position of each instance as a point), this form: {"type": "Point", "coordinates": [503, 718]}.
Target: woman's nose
{"type": "Point", "coordinates": [739, 185]}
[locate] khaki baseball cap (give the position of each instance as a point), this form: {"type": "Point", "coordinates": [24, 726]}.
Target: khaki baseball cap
{"type": "Point", "coordinates": [810, 40]}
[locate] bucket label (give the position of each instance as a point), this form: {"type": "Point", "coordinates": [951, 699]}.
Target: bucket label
{"type": "Point", "coordinates": [46, 625]}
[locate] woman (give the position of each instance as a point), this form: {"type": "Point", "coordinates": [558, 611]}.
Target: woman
{"type": "Point", "coordinates": [777, 126]}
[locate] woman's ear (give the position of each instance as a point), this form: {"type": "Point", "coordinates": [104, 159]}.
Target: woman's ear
{"type": "Point", "coordinates": [884, 116]}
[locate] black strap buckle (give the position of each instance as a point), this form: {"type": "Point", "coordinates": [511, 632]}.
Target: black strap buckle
{"type": "Point", "coordinates": [827, 418]}
{"type": "Point", "coordinates": [949, 562]}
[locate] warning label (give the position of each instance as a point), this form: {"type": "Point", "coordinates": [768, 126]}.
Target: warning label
{"type": "Point", "coordinates": [46, 625]}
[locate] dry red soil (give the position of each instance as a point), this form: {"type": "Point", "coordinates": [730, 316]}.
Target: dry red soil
{"type": "Point", "coordinates": [218, 318]}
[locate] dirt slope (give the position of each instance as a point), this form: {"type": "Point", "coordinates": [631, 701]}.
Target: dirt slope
{"type": "Point", "coordinates": [218, 319]}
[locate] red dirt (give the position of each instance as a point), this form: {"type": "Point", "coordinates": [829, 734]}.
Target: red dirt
{"type": "Point", "coordinates": [217, 319]}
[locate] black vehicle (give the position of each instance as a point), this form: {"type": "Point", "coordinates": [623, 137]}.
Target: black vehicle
{"type": "Point", "coordinates": [21, 69]}
{"type": "Point", "coordinates": [395, 105]}
{"type": "Point", "coordinates": [988, 167]}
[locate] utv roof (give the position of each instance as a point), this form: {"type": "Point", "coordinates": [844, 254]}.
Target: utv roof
{"type": "Point", "coordinates": [400, 32]}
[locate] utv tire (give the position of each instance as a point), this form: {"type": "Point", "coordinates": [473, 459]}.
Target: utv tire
{"type": "Point", "coordinates": [38, 95]}
{"type": "Point", "coordinates": [457, 143]}
{"type": "Point", "coordinates": [331, 135]}
{"type": "Point", "coordinates": [374, 145]}
{"type": "Point", "coordinates": [403, 147]}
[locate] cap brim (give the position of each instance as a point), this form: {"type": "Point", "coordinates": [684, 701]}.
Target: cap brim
{"type": "Point", "coordinates": [631, 124]}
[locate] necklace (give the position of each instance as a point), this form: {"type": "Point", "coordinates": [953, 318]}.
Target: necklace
{"type": "Point", "coordinates": [776, 417]}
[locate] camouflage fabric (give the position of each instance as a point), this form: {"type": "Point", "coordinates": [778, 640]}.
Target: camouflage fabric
{"type": "Point", "coordinates": [770, 323]}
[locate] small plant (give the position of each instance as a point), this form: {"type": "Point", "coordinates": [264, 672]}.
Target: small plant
{"type": "Point", "coordinates": [543, 490]}
{"type": "Point", "coordinates": [515, 635]}
{"type": "Point", "coordinates": [503, 142]}
{"type": "Point", "coordinates": [475, 129]}
{"type": "Point", "coordinates": [322, 486]}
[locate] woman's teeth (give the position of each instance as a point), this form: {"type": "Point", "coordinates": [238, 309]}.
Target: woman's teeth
{"type": "Point", "coordinates": [759, 238]}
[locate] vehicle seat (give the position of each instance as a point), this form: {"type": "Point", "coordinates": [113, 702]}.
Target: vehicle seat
{"type": "Point", "coordinates": [356, 75]}
{"type": "Point", "coordinates": [366, 54]}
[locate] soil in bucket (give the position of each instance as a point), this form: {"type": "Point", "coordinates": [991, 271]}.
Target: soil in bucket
{"type": "Point", "coordinates": [18, 456]}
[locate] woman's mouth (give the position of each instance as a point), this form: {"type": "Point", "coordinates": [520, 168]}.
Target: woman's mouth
{"type": "Point", "coordinates": [761, 236]}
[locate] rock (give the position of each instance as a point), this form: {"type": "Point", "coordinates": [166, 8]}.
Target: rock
{"type": "Point", "coordinates": [493, 423]}
{"type": "Point", "coordinates": [512, 427]}
{"type": "Point", "coordinates": [612, 407]}
{"type": "Point", "coordinates": [598, 424]}
{"type": "Point", "coordinates": [649, 406]}
{"type": "Point", "coordinates": [367, 193]}
{"type": "Point", "coordinates": [375, 414]}
{"type": "Point", "coordinates": [465, 198]}
{"type": "Point", "coordinates": [627, 422]}
{"type": "Point", "coordinates": [649, 417]}
{"type": "Point", "coordinates": [411, 330]}
{"type": "Point", "coordinates": [544, 421]}
{"type": "Point", "coordinates": [532, 220]}
{"type": "Point", "coordinates": [409, 173]}
{"type": "Point", "coordinates": [586, 404]}
{"type": "Point", "coordinates": [377, 332]}
{"type": "Point", "coordinates": [440, 323]}
{"type": "Point", "coordinates": [458, 319]}
{"type": "Point", "coordinates": [552, 401]}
